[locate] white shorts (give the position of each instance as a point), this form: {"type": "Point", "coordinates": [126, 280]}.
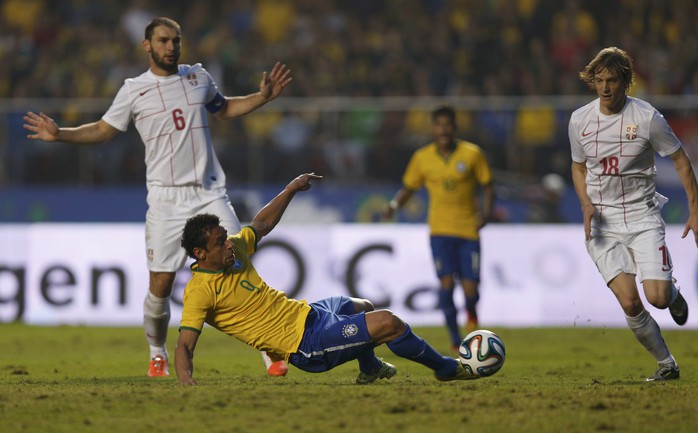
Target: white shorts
{"type": "Point", "coordinates": [168, 210]}
{"type": "Point", "coordinates": [636, 248]}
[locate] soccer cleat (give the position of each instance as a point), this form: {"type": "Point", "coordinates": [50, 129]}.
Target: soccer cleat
{"type": "Point", "coordinates": [460, 374]}
{"type": "Point", "coordinates": [679, 310]}
{"type": "Point", "coordinates": [159, 367]}
{"type": "Point", "coordinates": [665, 372]}
{"type": "Point", "coordinates": [385, 372]}
{"type": "Point", "coordinates": [278, 368]}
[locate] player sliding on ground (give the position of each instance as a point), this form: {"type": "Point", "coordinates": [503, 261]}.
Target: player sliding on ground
{"type": "Point", "coordinates": [226, 292]}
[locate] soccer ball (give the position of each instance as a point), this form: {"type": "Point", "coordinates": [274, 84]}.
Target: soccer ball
{"type": "Point", "coordinates": [482, 353]}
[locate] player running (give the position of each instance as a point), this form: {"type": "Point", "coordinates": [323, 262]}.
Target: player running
{"type": "Point", "coordinates": [614, 139]}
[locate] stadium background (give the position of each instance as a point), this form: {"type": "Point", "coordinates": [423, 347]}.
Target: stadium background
{"type": "Point", "coordinates": [366, 75]}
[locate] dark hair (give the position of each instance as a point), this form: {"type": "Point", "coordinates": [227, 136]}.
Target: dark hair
{"type": "Point", "coordinates": [614, 60]}
{"type": "Point", "coordinates": [196, 232]}
{"type": "Point", "coordinates": [444, 111]}
{"type": "Point", "coordinates": [160, 21]}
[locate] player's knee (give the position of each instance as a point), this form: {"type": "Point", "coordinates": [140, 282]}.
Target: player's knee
{"type": "Point", "coordinates": [447, 282]}
{"type": "Point", "coordinates": [631, 307]}
{"type": "Point", "coordinates": [385, 326]}
{"type": "Point", "coordinates": [394, 325]}
{"type": "Point", "coordinates": [470, 288]}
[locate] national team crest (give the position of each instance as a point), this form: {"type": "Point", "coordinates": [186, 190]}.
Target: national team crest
{"type": "Point", "coordinates": [631, 132]}
{"type": "Point", "coordinates": [192, 79]}
{"type": "Point", "coordinates": [461, 167]}
{"type": "Point", "coordinates": [350, 330]}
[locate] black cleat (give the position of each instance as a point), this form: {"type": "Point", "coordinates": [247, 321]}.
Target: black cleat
{"type": "Point", "coordinates": [665, 372]}
{"type": "Point", "coordinates": [679, 310]}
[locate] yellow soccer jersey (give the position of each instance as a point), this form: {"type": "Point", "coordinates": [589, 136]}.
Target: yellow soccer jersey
{"type": "Point", "coordinates": [451, 183]}
{"type": "Point", "coordinates": [238, 302]}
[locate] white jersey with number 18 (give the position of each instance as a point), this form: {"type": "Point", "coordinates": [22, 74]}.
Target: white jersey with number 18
{"type": "Point", "coordinates": [619, 154]}
{"type": "Point", "coordinates": [171, 116]}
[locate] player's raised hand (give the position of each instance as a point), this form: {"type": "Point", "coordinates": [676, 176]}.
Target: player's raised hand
{"type": "Point", "coordinates": [273, 83]}
{"type": "Point", "coordinates": [303, 182]}
{"type": "Point", "coordinates": [43, 127]}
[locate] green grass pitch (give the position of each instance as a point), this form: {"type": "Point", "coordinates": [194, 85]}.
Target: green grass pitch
{"type": "Point", "coordinates": [87, 379]}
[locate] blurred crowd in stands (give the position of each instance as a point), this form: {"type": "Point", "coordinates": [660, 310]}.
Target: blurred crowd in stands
{"type": "Point", "coordinates": [530, 49]}
{"type": "Point", "coordinates": [85, 48]}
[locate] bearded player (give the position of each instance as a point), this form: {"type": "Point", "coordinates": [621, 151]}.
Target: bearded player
{"type": "Point", "coordinates": [169, 106]}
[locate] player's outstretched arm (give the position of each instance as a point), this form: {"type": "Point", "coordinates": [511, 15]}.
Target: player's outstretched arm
{"type": "Point", "coordinates": [270, 215]}
{"type": "Point", "coordinates": [271, 86]}
{"type": "Point", "coordinates": [42, 127]}
{"type": "Point", "coordinates": [184, 355]}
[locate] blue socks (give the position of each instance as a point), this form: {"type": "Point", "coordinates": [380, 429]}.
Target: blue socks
{"type": "Point", "coordinates": [368, 362]}
{"type": "Point", "coordinates": [412, 347]}
{"type": "Point", "coordinates": [450, 314]}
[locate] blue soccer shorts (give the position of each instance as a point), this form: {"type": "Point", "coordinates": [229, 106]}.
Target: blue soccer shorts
{"type": "Point", "coordinates": [333, 335]}
{"type": "Point", "coordinates": [456, 256]}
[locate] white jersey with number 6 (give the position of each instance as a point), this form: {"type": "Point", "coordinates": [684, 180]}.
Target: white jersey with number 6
{"type": "Point", "coordinates": [171, 116]}
{"type": "Point", "coordinates": [619, 154]}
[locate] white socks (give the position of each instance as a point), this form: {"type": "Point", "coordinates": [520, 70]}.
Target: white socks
{"type": "Point", "coordinates": [156, 319]}
{"type": "Point", "coordinates": [649, 335]}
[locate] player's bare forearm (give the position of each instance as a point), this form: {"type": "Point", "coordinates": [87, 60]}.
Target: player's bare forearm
{"type": "Point", "coordinates": [44, 128]}
{"type": "Point", "coordinates": [488, 204]}
{"type": "Point", "coordinates": [237, 106]}
{"type": "Point", "coordinates": [688, 178]}
{"type": "Point", "coordinates": [184, 356]}
{"type": "Point", "coordinates": [401, 197]}
{"type": "Point", "coordinates": [579, 172]}
{"type": "Point", "coordinates": [91, 133]}
{"type": "Point", "coordinates": [185, 369]}
{"type": "Point", "coordinates": [270, 215]}
{"type": "Point", "coordinates": [685, 171]}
